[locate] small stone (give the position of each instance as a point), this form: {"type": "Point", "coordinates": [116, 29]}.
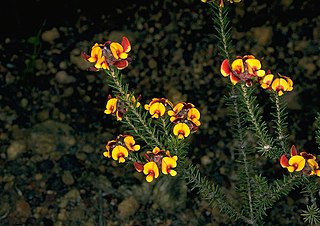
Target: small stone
{"type": "Point", "coordinates": [23, 209]}
{"type": "Point", "coordinates": [87, 148]}
{"type": "Point", "coordinates": [62, 216]}
{"type": "Point", "coordinates": [63, 78]}
{"type": "Point", "coordinates": [15, 149]}
{"type": "Point", "coordinates": [128, 207]}
{"type": "Point", "coordinates": [68, 92]}
{"type": "Point", "coordinates": [81, 156]}
{"type": "Point", "coordinates": [152, 63]}
{"type": "Point", "coordinates": [38, 176]}
{"type": "Point", "coordinates": [43, 115]}
{"type": "Point", "coordinates": [263, 35]}
{"type": "Point", "coordinates": [50, 35]}
{"type": "Point", "coordinates": [24, 102]}
{"type": "Point", "coordinates": [67, 178]}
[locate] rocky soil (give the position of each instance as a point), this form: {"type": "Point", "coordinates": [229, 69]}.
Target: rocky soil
{"type": "Point", "coordinates": [53, 130]}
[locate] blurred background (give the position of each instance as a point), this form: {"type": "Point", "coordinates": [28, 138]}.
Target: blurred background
{"type": "Point", "coordinates": [53, 130]}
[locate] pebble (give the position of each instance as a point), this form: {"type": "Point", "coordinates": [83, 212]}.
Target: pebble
{"type": "Point", "coordinates": [63, 78]}
{"type": "Point", "coordinates": [23, 209]}
{"type": "Point", "coordinates": [15, 149]}
{"type": "Point", "coordinates": [67, 178]}
{"type": "Point", "coordinates": [50, 35]}
{"type": "Point", "coordinates": [128, 207]}
{"type": "Point", "coordinates": [24, 102]}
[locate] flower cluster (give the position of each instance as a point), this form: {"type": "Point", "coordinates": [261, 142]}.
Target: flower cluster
{"type": "Point", "coordinates": [186, 119]}
{"type": "Point", "coordinates": [117, 107]}
{"type": "Point", "coordinates": [184, 115]}
{"type": "Point", "coordinates": [221, 4]}
{"type": "Point", "coordinates": [119, 148]}
{"type": "Point", "coordinates": [158, 107]}
{"type": "Point", "coordinates": [109, 53]}
{"type": "Point", "coordinates": [157, 159]}
{"type": "Point", "coordinates": [304, 162]}
{"type": "Point", "coordinates": [247, 69]}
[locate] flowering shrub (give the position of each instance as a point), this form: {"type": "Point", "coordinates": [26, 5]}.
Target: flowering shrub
{"type": "Point", "coordinates": [162, 129]}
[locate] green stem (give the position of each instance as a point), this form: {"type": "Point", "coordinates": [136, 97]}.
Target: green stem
{"type": "Point", "coordinates": [209, 191]}
{"type": "Point", "coordinates": [264, 141]}
{"type": "Point", "coordinates": [223, 33]}
{"type": "Point", "coordinates": [280, 126]}
{"type": "Point", "coordinates": [242, 150]}
{"type": "Point", "coordinates": [134, 110]}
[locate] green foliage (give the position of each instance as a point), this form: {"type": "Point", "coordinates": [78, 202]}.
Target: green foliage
{"type": "Point", "coordinates": [318, 129]}
{"type": "Point", "coordinates": [255, 192]}
{"type": "Point", "coordinates": [311, 215]}
{"type": "Point", "coordinates": [36, 44]}
{"type": "Point", "coordinates": [221, 22]}
{"type": "Point", "coordinates": [280, 120]}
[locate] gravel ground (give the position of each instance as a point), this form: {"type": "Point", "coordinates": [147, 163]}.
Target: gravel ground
{"type": "Point", "coordinates": [53, 129]}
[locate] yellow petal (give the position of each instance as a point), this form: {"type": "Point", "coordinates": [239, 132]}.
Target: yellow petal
{"type": "Point", "coordinates": [237, 65]}
{"type": "Point", "coordinates": [116, 48]}
{"type": "Point", "coordinates": [298, 162]}
{"type": "Point", "coordinates": [157, 109]}
{"type": "Point", "coordinates": [181, 130]}
{"type": "Point", "coordinates": [119, 152]}
{"type": "Point", "coordinates": [111, 106]}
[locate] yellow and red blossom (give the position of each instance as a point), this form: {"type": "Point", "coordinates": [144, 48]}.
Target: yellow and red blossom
{"type": "Point", "coordinates": [111, 106]}
{"type": "Point", "coordinates": [304, 162]}
{"type": "Point", "coordinates": [181, 130]}
{"type": "Point", "coordinates": [295, 163]}
{"type": "Point", "coordinates": [120, 148]}
{"type": "Point", "coordinates": [109, 53]}
{"type": "Point", "coordinates": [280, 85]}
{"type": "Point", "coordinates": [117, 107]}
{"type": "Point", "coordinates": [168, 163]}
{"type": "Point", "coordinates": [151, 170]}
{"type": "Point", "coordinates": [266, 81]}
{"type": "Point", "coordinates": [157, 159]}
{"type": "Point", "coordinates": [245, 69]}
{"type": "Point", "coordinates": [158, 107]}
{"type": "Point", "coordinates": [120, 51]}
{"type": "Point", "coordinates": [186, 119]}
{"type": "Point", "coordinates": [119, 153]}
{"type": "Point", "coordinates": [194, 116]}
{"type": "Point", "coordinates": [221, 3]}
{"type": "Point", "coordinates": [96, 56]}
{"type": "Point", "coordinates": [130, 143]}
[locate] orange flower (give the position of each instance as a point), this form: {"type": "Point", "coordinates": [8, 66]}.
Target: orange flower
{"type": "Point", "coordinates": [151, 170]}
{"type": "Point", "coordinates": [120, 148]}
{"type": "Point", "coordinates": [111, 106]}
{"type": "Point", "coordinates": [130, 143]}
{"type": "Point", "coordinates": [295, 163]}
{"type": "Point", "coordinates": [266, 81]}
{"type": "Point", "coordinates": [280, 85]}
{"type": "Point", "coordinates": [304, 162]}
{"type": "Point", "coordinates": [157, 107]}
{"type": "Point", "coordinates": [194, 116]}
{"type": "Point", "coordinates": [244, 68]}
{"type": "Point", "coordinates": [120, 51]}
{"type": "Point", "coordinates": [167, 165]}
{"type": "Point", "coordinates": [120, 153]}
{"type": "Point", "coordinates": [109, 53]}
{"type": "Point", "coordinates": [117, 107]}
{"type": "Point", "coordinates": [181, 130]}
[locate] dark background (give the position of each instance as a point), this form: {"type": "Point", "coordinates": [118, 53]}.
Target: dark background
{"type": "Point", "coordinates": [53, 126]}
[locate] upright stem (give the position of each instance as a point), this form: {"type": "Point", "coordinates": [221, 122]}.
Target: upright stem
{"type": "Point", "coordinates": [223, 33]}
{"type": "Point", "coordinates": [280, 126]}
{"type": "Point", "coordinates": [242, 151]}
{"type": "Point", "coordinates": [265, 142]}
{"type": "Point", "coordinates": [134, 110]}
